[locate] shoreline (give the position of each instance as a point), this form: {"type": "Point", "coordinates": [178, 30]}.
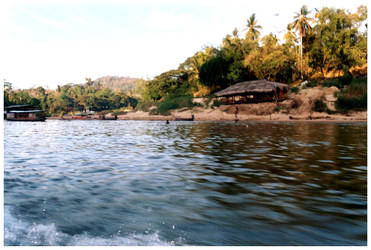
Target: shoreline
{"type": "Point", "coordinates": [216, 116]}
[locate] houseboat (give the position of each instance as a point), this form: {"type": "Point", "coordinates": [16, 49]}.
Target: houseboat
{"type": "Point", "coordinates": [24, 113]}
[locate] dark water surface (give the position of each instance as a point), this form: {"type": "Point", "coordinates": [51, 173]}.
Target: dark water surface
{"type": "Point", "coordinates": [186, 183]}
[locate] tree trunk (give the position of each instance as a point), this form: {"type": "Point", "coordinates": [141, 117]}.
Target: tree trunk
{"type": "Point", "coordinates": [301, 56]}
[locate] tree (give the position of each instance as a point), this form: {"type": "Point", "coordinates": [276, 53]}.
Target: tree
{"type": "Point", "coordinates": [213, 73]}
{"type": "Point", "coordinates": [302, 25]}
{"type": "Point", "coordinates": [252, 27]}
{"type": "Point", "coordinates": [337, 42]}
{"type": "Point", "coordinates": [166, 84]}
{"type": "Point", "coordinates": [270, 61]}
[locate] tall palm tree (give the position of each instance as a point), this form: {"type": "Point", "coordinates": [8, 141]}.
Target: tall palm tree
{"type": "Point", "coordinates": [301, 24]}
{"type": "Point", "coordinates": [252, 27]}
{"type": "Point", "coordinates": [290, 37]}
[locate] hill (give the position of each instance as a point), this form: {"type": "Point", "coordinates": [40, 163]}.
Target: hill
{"type": "Point", "coordinates": [125, 84]}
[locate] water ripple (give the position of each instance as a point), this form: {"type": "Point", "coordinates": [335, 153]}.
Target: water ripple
{"type": "Point", "coordinates": [185, 183]}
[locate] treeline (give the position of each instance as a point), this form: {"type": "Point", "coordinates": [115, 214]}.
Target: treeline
{"type": "Point", "coordinates": [70, 98]}
{"type": "Point", "coordinates": [316, 44]}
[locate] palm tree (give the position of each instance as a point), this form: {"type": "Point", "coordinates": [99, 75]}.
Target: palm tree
{"type": "Point", "coordinates": [301, 24]}
{"type": "Point", "coordinates": [290, 37]}
{"type": "Point", "coordinates": [252, 27]}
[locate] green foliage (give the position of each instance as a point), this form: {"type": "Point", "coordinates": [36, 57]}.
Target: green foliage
{"type": "Point", "coordinates": [165, 84]}
{"type": "Point", "coordinates": [214, 72]}
{"type": "Point", "coordinates": [280, 108]}
{"type": "Point", "coordinates": [216, 103]}
{"type": "Point", "coordinates": [294, 90]}
{"type": "Point", "coordinates": [353, 97]}
{"type": "Point", "coordinates": [277, 109]}
{"type": "Point", "coordinates": [331, 42]}
{"type": "Point", "coordinates": [345, 103]}
{"type": "Point", "coordinates": [177, 102]}
{"type": "Point", "coordinates": [144, 105]}
{"type": "Point", "coordinates": [332, 82]}
{"type": "Point", "coordinates": [337, 43]}
{"type": "Point", "coordinates": [70, 98]}
{"type": "Point", "coordinates": [253, 27]}
{"type": "Point", "coordinates": [346, 79]}
{"type": "Point", "coordinates": [311, 84]}
{"type": "Point", "coordinates": [320, 106]}
{"type": "Point", "coordinates": [271, 61]}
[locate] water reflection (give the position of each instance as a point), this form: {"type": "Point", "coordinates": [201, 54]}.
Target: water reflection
{"type": "Point", "coordinates": [189, 183]}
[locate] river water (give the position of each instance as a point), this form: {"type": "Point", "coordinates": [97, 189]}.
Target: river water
{"type": "Point", "coordinates": [185, 183]}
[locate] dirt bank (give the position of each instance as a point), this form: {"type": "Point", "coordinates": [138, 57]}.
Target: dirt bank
{"type": "Point", "coordinates": [296, 107]}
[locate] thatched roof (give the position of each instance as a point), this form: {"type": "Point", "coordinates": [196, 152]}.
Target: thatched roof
{"type": "Point", "coordinates": [257, 86]}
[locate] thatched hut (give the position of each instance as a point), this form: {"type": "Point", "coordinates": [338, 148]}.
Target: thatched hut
{"type": "Point", "coordinates": [254, 91]}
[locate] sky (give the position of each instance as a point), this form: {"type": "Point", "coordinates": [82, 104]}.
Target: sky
{"type": "Point", "coordinates": [55, 42]}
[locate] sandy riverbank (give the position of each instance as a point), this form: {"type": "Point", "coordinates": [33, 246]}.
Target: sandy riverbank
{"type": "Point", "coordinates": [298, 107]}
{"type": "Point", "coordinates": [223, 114]}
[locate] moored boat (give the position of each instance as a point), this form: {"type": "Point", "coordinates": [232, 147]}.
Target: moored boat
{"type": "Point", "coordinates": [185, 118]}
{"type": "Point", "coordinates": [24, 113]}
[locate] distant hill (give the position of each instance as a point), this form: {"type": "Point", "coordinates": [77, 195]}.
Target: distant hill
{"type": "Point", "coordinates": [116, 83]}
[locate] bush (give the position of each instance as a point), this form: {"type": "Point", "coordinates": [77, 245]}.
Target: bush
{"type": "Point", "coordinates": [320, 106]}
{"type": "Point", "coordinates": [346, 103]}
{"type": "Point", "coordinates": [294, 90]}
{"type": "Point", "coordinates": [311, 84]}
{"type": "Point", "coordinates": [144, 105]}
{"type": "Point", "coordinates": [277, 109]}
{"type": "Point", "coordinates": [174, 103]}
{"type": "Point", "coordinates": [280, 108]}
{"type": "Point", "coordinates": [208, 100]}
{"type": "Point", "coordinates": [119, 112]}
{"type": "Point", "coordinates": [216, 103]}
{"type": "Point", "coordinates": [346, 79]}
{"type": "Point", "coordinates": [353, 97]}
{"type": "Point", "coordinates": [332, 82]}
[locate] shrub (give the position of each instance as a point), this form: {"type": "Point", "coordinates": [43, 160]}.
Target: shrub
{"type": "Point", "coordinates": [119, 112]}
{"type": "Point", "coordinates": [208, 100]}
{"type": "Point", "coordinates": [277, 109]}
{"type": "Point", "coordinates": [294, 90]}
{"type": "Point", "coordinates": [311, 84]}
{"type": "Point", "coordinates": [346, 79]}
{"type": "Point", "coordinates": [345, 103]}
{"type": "Point", "coordinates": [353, 97]}
{"type": "Point", "coordinates": [332, 82]}
{"type": "Point", "coordinates": [216, 103]}
{"type": "Point", "coordinates": [320, 106]}
{"type": "Point", "coordinates": [174, 103]}
{"type": "Point", "coordinates": [154, 112]}
{"type": "Point", "coordinates": [280, 108]}
{"type": "Point", "coordinates": [144, 105]}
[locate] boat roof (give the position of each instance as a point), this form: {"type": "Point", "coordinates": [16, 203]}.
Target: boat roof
{"type": "Point", "coordinates": [25, 111]}
{"type": "Point", "coordinates": [18, 106]}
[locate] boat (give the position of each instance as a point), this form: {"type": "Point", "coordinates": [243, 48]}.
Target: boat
{"type": "Point", "coordinates": [185, 118]}
{"type": "Point", "coordinates": [24, 113]}
{"type": "Point", "coordinates": [84, 116]}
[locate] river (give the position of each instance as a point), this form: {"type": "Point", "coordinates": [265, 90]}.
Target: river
{"type": "Point", "coordinates": [185, 183]}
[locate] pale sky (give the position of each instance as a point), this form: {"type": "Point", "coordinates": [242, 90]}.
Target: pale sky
{"type": "Point", "coordinates": [54, 42]}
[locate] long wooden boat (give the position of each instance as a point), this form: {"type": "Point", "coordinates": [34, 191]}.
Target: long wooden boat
{"type": "Point", "coordinates": [24, 113]}
{"type": "Point", "coordinates": [88, 117]}
{"type": "Point", "coordinates": [185, 118]}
